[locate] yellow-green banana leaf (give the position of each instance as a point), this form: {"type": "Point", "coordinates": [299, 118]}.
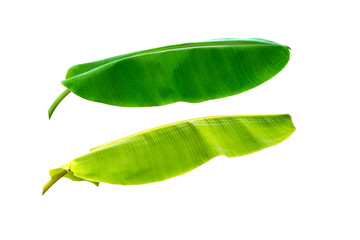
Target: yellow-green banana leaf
{"type": "Point", "coordinates": [173, 149]}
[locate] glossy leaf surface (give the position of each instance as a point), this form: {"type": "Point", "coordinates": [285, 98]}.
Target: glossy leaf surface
{"type": "Point", "coordinates": [192, 72]}
{"type": "Point", "coordinates": [170, 150]}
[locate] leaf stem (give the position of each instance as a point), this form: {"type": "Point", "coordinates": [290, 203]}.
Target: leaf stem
{"type": "Point", "coordinates": [53, 180]}
{"type": "Point", "coordinates": [57, 101]}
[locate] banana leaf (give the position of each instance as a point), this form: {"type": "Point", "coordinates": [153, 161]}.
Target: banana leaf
{"type": "Point", "coordinates": [173, 149]}
{"type": "Point", "coordinates": [190, 72]}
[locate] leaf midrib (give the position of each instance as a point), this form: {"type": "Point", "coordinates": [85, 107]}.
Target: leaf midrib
{"type": "Point", "coordinates": [179, 122]}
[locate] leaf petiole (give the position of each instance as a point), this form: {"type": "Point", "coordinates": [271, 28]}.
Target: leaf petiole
{"type": "Point", "coordinates": [57, 101]}
{"type": "Point", "coordinates": [53, 180]}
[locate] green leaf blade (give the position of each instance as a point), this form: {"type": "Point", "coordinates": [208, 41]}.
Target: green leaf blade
{"type": "Point", "coordinates": [191, 72]}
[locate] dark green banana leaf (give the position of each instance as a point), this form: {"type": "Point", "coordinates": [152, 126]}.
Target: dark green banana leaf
{"type": "Point", "coordinates": [191, 72]}
{"type": "Point", "coordinates": [173, 149]}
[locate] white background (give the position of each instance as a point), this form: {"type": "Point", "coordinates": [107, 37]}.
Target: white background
{"type": "Point", "coordinates": [307, 187]}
